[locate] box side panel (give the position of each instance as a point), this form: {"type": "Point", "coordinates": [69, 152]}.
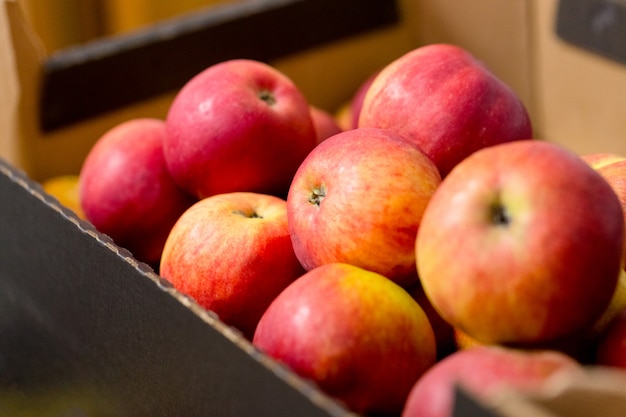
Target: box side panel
{"type": "Point", "coordinates": [88, 331]}
{"type": "Point", "coordinates": [582, 94]}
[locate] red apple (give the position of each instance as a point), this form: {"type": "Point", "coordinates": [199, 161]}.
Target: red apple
{"type": "Point", "coordinates": [239, 125]}
{"type": "Point", "coordinates": [445, 101]}
{"type": "Point", "coordinates": [611, 348]}
{"type": "Point", "coordinates": [521, 243]}
{"type": "Point", "coordinates": [126, 191]}
{"type": "Point", "coordinates": [325, 123]}
{"type": "Point", "coordinates": [232, 254]}
{"type": "Point", "coordinates": [613, 168]}
{"type": "Point", "coordinates": [362, 338]}
{"type": "Point", "coordinates": [356, 103]}
{"type": "Point", "coordinates": [482, 371]}
{"type": "Point", "coordinates": [358, 198]}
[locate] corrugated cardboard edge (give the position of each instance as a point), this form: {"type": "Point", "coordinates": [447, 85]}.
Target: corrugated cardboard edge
{"type": "Point", "coordinates": [306, 387]}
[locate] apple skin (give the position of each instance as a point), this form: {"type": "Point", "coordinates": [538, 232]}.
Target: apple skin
{"type": "Point", "coordinates": [358, 198]}
{"type": "Point", "coordinates": [482, 371]}
{"type": "Point", "coordinates": [444, 100]}
{"type": "Point", "coordinates": [613, 168]}
{"type": "Point", "coordinates": [232, 254]}
{"type": "Point", "coordinates": [360, 337]}
{"type": "Point", "coordinates": [126, 191]}
{"type": "Point", "coordinates": [239, 125]}
{"type": "Point", "coordinates": [356, 103]}
{"type": "Point", "coordinates": [325, 124]}
{"type": "Point", "coordinates": [611, 345]}
{"type": "Point", "coordinates": [537, 244]}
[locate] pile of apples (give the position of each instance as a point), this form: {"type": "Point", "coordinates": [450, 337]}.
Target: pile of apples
{"type": "Point", "coordinates": [429, 240]}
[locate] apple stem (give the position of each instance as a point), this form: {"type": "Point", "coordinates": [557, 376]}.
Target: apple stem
{"type": "Point", "coordinates": [317, 195]}
{"type": "Point", "coordinates": [253, 215]}
{"type": "Point", "coordinates": [267, 97]}
{"type": "Point", "coordinates": [499, 215]}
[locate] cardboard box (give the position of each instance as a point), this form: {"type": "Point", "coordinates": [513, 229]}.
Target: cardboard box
{"type": "Point", "coordinates": [85, 329]}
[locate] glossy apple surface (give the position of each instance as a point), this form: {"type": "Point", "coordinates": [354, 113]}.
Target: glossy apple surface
{"type": "Point", "coordinates": [358, 198]}
{"type": "Point", "coordinates": [239, 125]}
{"type": "Point", "coordinates": [481, 371]}
{"type": "Point", "coordinates": [359, 336]}
{"type": "Point", "coordinates": [521, 243]}
{"type": "Point", "coordinates": [126, 191]}
{"type": "Point", "coordinates": [446, 101]}
{"type": "Point", "coordinates": [232, 253]}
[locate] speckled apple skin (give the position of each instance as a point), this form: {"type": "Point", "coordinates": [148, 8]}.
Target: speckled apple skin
{"type": "Point", "coordinates": [549, 271]}
{"type": "Point", "coordinates": [376, 187]}
{"type": "Point", "coordinates": [225, 133]}
{"type": "Point", "coordinates": [359, 336]}
{"type": "Point", "coordinates": [447, 102]}
{"type": "Point", "coordinates": [232, 253]}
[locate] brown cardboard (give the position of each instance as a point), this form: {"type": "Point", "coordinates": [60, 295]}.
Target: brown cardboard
{"type": "Point", "coordinates": [61, 151]}
{"type": "Point", "coordinates": [580, 95]}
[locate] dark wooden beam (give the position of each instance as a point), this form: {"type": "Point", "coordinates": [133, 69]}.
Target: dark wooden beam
{"type": "Point", "coordinates": [87, 80]}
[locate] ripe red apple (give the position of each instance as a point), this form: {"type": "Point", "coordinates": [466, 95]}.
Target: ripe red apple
{"type": "Point", "coordinates": [482, 371]}
{"type": "Point", "coordinates": [232, 253]}
{"type": "Point", "coordinates": [611, 348]}
{"type": "Point", "coordinates": [325, 123]}
{"type": "Point", "coordinates": [358, 198]}
{"type": "Point", "coordinates": [126, 191]}
{"type": "Point", "coordinates": [447, 102]}
{"type": "Point", "coordinates": [521, 243]}
{"type": "Point", "coordinates": [613, 168]}
{"type": "Point", "coordinates": [363, 339]}
{"type": "Point", "coordinates": [239, 125]}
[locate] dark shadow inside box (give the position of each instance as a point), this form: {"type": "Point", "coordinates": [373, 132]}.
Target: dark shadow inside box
{"type": "Point", "coordinates": [87, 80]}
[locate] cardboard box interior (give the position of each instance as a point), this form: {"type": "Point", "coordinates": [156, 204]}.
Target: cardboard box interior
{"type": "Point", "coordinates": [85, 329]}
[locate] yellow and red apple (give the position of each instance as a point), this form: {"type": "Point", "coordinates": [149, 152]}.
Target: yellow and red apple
{"type": "Point", "coordinates": [360, 337]}
{"type": "Point", "coordinates": [447, 102]}
{"type": "Point", "coordinates": [232, 254]}
{"type": "Point", "coordinates": [126, 191]}
{"type": "Point", "coordinates": [521, 244]}
{"type": "Point", "coordinates": [358, 198]}
{"type": "Point", "coordinates": [482, 371]}
{"type": "Point", "coordinates": [239, 125]}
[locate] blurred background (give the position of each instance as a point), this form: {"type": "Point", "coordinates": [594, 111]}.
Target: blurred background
{"type": "Point", "coordinates": [63, 23]}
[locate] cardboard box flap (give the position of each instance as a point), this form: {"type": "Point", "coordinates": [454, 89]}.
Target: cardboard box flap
{"type": "Point", "coordinates": [592, 392]}
{"type": "Point", "coordinates": [87, 330]}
